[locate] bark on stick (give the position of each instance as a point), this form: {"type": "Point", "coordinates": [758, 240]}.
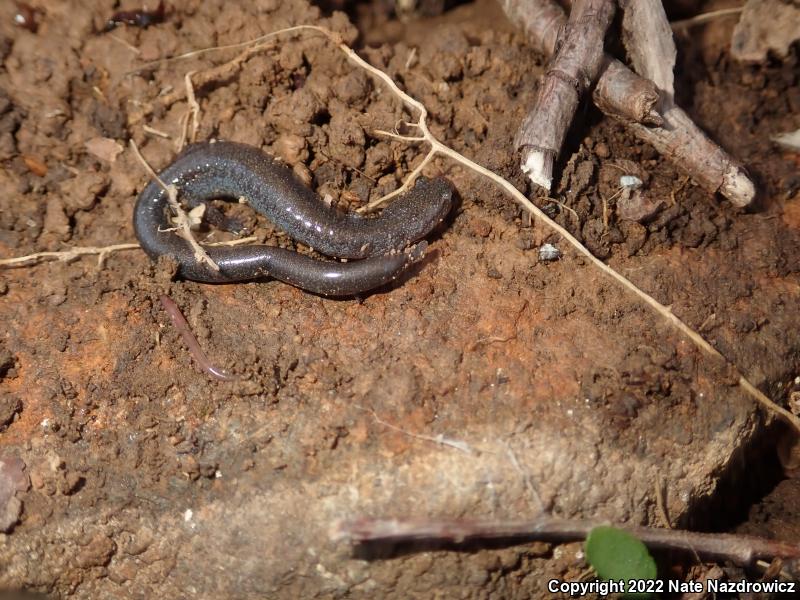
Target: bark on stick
{"type": "Point", "coordinates": [651, 48]}
{"type": "Point", "coordinates": [574, 67]}
{"type": "Point", "coordinates": [622, 94]}
{"type": "Point", "coordinates": [741, 550]}
{"type": "Point", "coordinates": [619, 91]}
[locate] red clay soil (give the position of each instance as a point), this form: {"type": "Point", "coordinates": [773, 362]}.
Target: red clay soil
{"type": "Point", "coordinates": [149, 479]}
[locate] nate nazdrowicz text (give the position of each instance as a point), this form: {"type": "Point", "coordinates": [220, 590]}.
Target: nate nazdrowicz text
{"type": "Point", "coordinates": [657, 586]}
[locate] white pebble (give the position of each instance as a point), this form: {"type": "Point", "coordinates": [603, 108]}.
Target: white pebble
{"type": "Point", "coordinates": [548, 252]}
{"type": "Point", "coordinates": [631, 182]}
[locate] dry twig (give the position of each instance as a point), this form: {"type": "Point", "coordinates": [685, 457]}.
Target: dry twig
{"type": "Point", "coordinates": [744, 551]}
{"type": "Point", "coordinates": [625, 96]}
{"type": "Point", "coordinates": [622, 94]}
{"type": "Point", "coordinates": [573, 68]}
{"type": "Point", "coordinates": [648, 40]}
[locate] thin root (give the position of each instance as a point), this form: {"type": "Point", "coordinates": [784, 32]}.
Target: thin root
{"type": "Point", "coordinates": [439, 440]}
{"type": "Point", "coordinates": [181, 218]}
{"type": "Point", "coordinates": [705, 18]}
{"type": "Point", "coordinates": [102, 253]}
{"type": "Point", "coordinates": [412, 177]}
{"type": "Point", "coordinates": [66, 255]}
{"type": "Point", "coordinates": [193, 114]}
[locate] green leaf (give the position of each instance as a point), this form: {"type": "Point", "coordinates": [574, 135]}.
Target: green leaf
{"type": "Point", "coordinates": [617, 555]}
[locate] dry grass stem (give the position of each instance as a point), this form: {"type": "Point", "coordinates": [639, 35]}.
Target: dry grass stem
{"type": "Point", "coordinates": [184, 226]}
{"type": "Point", "coordinates": [102, 251]}
{"type": "Point", "coordinates": [439, 440]}
{"type": "Point", "coordinates": [66, 255]}
{"type": "Point", "coordinates": [705, 18]}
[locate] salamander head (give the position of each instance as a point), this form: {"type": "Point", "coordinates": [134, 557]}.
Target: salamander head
{"type": "Point", "coordinates": [418, 212]}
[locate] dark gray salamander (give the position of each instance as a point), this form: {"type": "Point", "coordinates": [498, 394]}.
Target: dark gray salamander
{"type": "Point", "coordinates": [227, 170]}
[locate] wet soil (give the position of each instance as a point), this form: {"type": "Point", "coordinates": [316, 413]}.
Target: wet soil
{"type": "Point", "coordinates": [558, 391]}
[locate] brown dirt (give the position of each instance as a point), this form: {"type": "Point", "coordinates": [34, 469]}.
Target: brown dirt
{"type": "Point", "coordinates": [149, 479]}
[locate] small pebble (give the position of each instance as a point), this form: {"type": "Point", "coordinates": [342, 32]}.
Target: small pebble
{"type": "Point", "coordinates": [481, 227]}
{"type": "Point", "coordinates": [630, 181]}
{"type": "Point", "coordinates": [601, 150]}
{"type": "Point", "coordinates": [548, 252]}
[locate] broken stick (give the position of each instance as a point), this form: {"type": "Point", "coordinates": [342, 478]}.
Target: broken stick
{"type": "Point", "coordinates": [739, 549]}
{"type": "Point", "coordinates": [573, 68]}
{"type": "Point", "coordinates": [651, 48]}
{"type": "Point", "coordinates": [625, 96]}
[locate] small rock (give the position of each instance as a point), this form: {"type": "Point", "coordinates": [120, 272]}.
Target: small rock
{"type": "Point", "coordinates": [137, 543]}
{"type": "Point", "coordinates": [55, 219]}
{"type": "Point", "coordinates": [291, 148]}
{"type": "Point", "coordinates": [480, 227]}
{"type": "Point", "coordinates": [97, 553]}
{"type": "Point", "coordinates": [190, 467]}
{"type": "Point", "coordinates": [81, 192]}
{"type": "Point", "coordinates": [106, 149]}
{"type": "Point", "coordinates": [9, 406]}
{"type": "Point", "coordinates": [37, 480]}
{"type": "Point", "coordinates": [765, 25]}
{"type": "Point", "coordinates": [347, 141]}
{"type": "Point", "coordinates": [633, 205]}
{"type": "Point", "coordinates": [548, 253]}
{"type": "Point", "coordinates": [12, 480]}
{"type": "Point", "coordinates": [9, 513]}
{"type": "Point", "coordinates": [790, 140]}
{"type": "Point", "coordinates": [56, 299]}
{"type": "Point", "coordinates": [630, 182]}
{"type": "Point", "coordinates": [6, 361]}
{"type": "Point", "coordinates": [601, 150]}
{"type": "Point", "coordinates": [303, 173]}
